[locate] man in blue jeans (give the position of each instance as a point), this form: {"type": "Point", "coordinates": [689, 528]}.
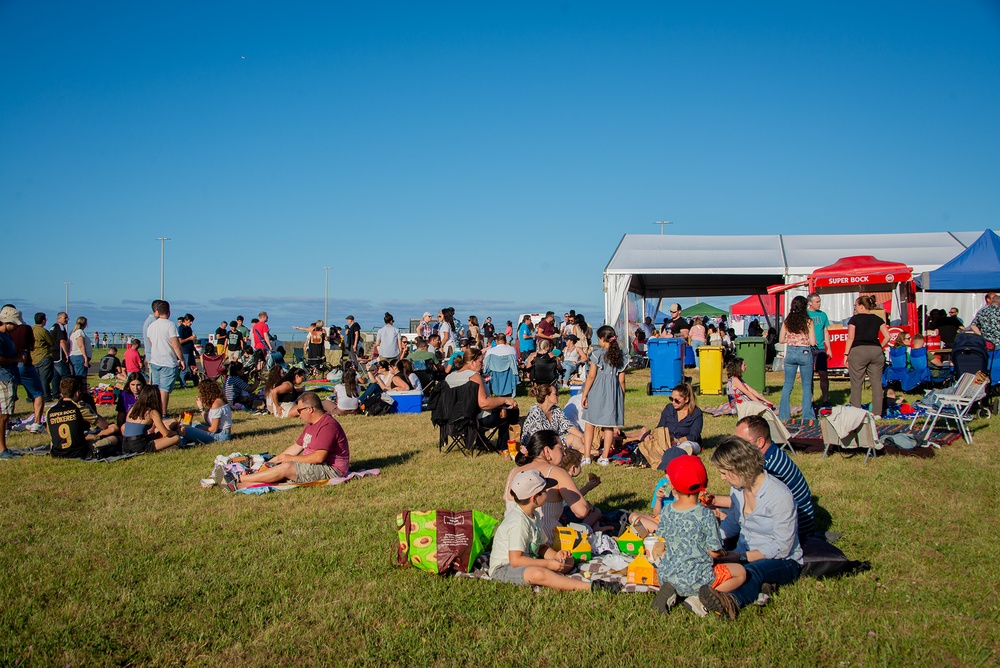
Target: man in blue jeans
{"type": "Point", "coordinates": [164, 356]}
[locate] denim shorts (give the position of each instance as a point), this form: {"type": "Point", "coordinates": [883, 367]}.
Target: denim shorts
{"type": "Point", "coordinates": [163, 377]}
{"type": "Point", "coordinates": [30, 381]}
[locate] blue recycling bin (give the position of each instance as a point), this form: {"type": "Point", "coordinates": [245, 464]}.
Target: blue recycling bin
{"type": "Point", "coordinates": [666, 364]}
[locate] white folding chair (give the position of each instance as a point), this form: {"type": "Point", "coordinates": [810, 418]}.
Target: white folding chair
{"type": "Point", "coordinates": [956, 406]}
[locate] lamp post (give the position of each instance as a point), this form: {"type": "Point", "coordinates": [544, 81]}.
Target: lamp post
{"type": "Point", "coordinates": [162, 240]}
{"type": "Point", "coordinates": [326, 298]}
{"type": "Point", "coordinates": [67, 297]}
{"type": "Point", "coordinates": [662, 224]}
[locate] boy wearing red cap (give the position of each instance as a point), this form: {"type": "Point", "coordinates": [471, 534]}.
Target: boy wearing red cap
{"type": "Point", "coordinates": [692, 540]}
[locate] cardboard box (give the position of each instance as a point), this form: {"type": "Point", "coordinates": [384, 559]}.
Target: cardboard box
{"type": "Point", "coordinates": [641, 572]}
{"type": "Point", "coordinates": [630, 542]}
{"type": "Point", "coordinates": [576, 542]}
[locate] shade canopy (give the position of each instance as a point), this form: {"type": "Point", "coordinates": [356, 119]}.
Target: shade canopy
{"type": "Point", "coordinates": [977, 269]}
{"type": "Point", "coordinates": [704, 310]}
{"type": "Point", "coordinates": [755, 305]}
{"type": "Point", "coordinates": [858, 272]}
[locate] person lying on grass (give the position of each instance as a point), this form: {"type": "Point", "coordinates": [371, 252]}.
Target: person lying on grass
{"type": "Point", "coordinates": [691, 541]}
{"type": "Point", "coordinates": [520, 556]}
{"type": "Point", "coordinates": [320, 453]}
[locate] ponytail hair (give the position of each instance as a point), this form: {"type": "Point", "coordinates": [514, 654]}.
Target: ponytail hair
{"type": "Point", "coordinates": [532, 450]}
{"type": "Point", "coordinates": [868, 301]}
{"type": "Point", "coordinates": [614, 353]}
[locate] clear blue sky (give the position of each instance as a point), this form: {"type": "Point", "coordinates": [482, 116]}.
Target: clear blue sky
{"type": "Point", "coordinates": [484, 156]}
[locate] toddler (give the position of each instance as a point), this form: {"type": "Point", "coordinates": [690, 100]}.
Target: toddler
{"type": "Point", "coordinates": [692, 539]}
{"type": "Point", "coordinates": [572, 464]}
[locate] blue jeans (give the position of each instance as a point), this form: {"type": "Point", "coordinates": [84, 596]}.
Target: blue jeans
{"type": "Point", "coordinates": [60, 370]}
{"type": "Point", "coordinates": [694, 349]}
{"type": "Point", "coordinates": [797, 359]}
{"type": "Point", "coordinates": [569, 368]}
{"type": "Point", "coordinates": [199, 434]}
{"type": "Point", "coordinates": [78, 362]}
{"type": "Point", "coordinates": [775, 571]}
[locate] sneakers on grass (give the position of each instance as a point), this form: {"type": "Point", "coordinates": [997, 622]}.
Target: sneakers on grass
{"type": "Point", "coordinates": [7, 454]}
{"type": "Point", "coordinates": [606, 585]}
{"type": "Point", "coordinates": [603, 461]}
{"type": "Point", "coordinates": [36, 428]}
{"type": "Point", "coordinates": [693, 604]}
{"type": "Point", "coordinates": [721, 603]}
{"type": "Point", "coordinates": [665, 599]}
{"type": "Point", "coordinates": [231, 481]}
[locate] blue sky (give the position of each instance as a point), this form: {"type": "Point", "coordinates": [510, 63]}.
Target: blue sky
{"type": "Point", "coordinates": [483, 156]}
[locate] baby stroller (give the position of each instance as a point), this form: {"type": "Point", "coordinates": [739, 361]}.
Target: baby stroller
{"type": "Point", "coordinates": [969, 355]}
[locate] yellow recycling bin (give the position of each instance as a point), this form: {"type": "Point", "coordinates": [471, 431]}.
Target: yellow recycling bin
{"type": "Point", "coordinates": [710, 358]}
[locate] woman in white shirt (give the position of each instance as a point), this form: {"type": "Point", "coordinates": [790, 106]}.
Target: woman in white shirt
{"type": "Point", "coordinates": [346, 394]}
{"type": "Point", "coordinates": [217, 415]}
{"type": "Point", "coordinates": [80, 348]}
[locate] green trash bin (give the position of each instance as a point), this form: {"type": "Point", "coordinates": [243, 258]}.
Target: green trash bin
{"type": "Point", "coordinates": [753, 350]}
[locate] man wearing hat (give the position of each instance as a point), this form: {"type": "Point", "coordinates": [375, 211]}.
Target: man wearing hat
{"type": "Point", "coordinates": [9, 319]}
{"type": "Point", "coordinates": [677, 325]}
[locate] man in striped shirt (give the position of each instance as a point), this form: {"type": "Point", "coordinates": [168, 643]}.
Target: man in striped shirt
{"type": "Point", "coordinates": [755, 430]}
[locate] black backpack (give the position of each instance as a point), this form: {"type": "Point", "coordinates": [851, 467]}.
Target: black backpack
{"type": "Point", "coordinates": [375, 404]}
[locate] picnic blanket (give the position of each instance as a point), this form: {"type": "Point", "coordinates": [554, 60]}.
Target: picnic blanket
{"type": "Point", "coordinates": [728, 409]}
{"type": "Point", "coordinates": [46, 449]}
{"type": "Point", "coordinates": [809, 438]}
{"type": "Point", "coordinates": [595, 569]}
{"type": "Point", "coordinates": [240, 463]}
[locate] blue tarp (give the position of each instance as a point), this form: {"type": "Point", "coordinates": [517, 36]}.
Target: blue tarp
{"type": "Point", "coordinates": [976, 269]}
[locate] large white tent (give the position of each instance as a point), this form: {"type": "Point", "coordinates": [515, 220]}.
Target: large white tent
{"type": "Point", "coordinates": [652, 266]}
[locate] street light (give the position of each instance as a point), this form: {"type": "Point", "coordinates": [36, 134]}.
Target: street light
{"type": "Point", "coordinates": [662, 224]}
{"type": "Point", "coordinates": [326, 298]}
{"type": "Point", "coordinates": [162, 240]}
{"type": "Point", "coordinates": [67, 297]}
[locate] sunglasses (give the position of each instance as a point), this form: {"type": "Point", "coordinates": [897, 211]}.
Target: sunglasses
{"type": "Point", "coordinates": [675, 400]}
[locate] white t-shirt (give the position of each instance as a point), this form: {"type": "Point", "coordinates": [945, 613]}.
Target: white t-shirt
{"type": "Point", "coordinates": [387, 341]}
{"type": "Point", "coordinates": [517, 532]}
{"type": "Point", "coordinates": [445, 328]}
{"type": "Point", "coordinates": [160, 332]}
{"type": "Point", "coordinates": [225, 416]}
{"type": "Point", "coordinates": [84, 342]}
{"type": "Point", "coordinates": [415, 382]}
{"type": "Point", "coordinates": [344, 402]}
{"type": "Point", "coordinates": [574, 412]}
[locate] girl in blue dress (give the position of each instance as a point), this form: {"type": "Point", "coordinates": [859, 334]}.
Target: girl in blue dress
{"type": "Point", "coordinates": [603, 397]}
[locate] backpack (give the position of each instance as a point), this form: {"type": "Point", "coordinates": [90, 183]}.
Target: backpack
{"type": "Point", "coordinates": [377, 403]}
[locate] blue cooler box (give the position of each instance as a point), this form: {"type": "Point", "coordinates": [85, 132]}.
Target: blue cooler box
{"type": "Point", "coordinates": [407, 402]}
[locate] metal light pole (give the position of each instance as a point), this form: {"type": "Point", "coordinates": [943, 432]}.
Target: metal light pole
{"type": "Point", "coordinates": [162, 240]}
{"type": "Point", "coordinates": [326, 298]}
{"type": "Point", "coordinates": [662, 224]}
{"type": "Point", "coordinates": [67, 297]}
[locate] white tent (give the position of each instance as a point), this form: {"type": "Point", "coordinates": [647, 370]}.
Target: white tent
{"type": "Point", "coordinates": [653, 266]}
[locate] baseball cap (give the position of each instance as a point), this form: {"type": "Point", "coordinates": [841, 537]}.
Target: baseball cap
{"type": "Point", "coordinates": [427, 314]}
{"type": "Point", "coordinates": [528, 483]}
{"type": "Point", "coordinates": [687, 474]}
{"type": "Point", "coordinates": [573, 337]}
{"type": "Point", "coordinates": [675, 307]}
{"type": "Point", "coordinates": [11, 314]}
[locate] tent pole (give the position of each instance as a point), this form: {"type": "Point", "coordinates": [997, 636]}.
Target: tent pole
{"type": "Point", "coordinates": [767, 318]}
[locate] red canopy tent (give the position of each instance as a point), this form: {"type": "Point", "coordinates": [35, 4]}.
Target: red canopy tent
{"type": "Point", "coordinates": [859, 272]}
{"type": "Point", "coordinates": [772, 304]}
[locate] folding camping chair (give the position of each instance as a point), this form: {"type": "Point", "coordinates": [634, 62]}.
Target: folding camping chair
{"type": "Point", "coordinates": [850, 427]}
{"type": "Point", "coordinates": [213, 366]}
{"type": "Point", "coordinates": [455, 412]}
{"type": "Point", "coordinates": [780, 435]}
{"type": "Point", "coordinates": [956, 406]}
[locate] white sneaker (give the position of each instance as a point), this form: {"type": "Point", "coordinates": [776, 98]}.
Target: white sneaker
{"type": "Point", "coordinates": [36, 428]}
{"type": "Point", "coordinates": [603, 461]}
{"type": "Point", "coordinates": [584, 461]}
{"type": "Point", "coordinates": [694, 604]}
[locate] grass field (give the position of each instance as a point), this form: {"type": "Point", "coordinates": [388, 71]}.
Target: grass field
{"type": "Point", "coordinates": [134, 563]}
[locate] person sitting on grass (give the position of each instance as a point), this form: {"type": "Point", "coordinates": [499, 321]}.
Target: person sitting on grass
{"type": "Point", "coordinates": [572, 463]}
{"type": "Point", "coordinates": [346, 393]}
{"type": "Point", "coordinates": [71, 418]}
{"type": "Point", "coordinates": [133, 360]}
{"type": "Point", "coordinates": [110, 367]}
{"type": "Point", "coordinates": [320, 453]}
{"type": "Point", "coordinates": [126, 399]}
{"type": "Point", "coordinates": [281, 392]}
{"type": "Point", "coordinates": [144, 429]}
{"type": "Point", "coordinates": [235, 388]}
{"type": "Point", "coordinates": [737, 390]}
{"type": "Point", "coordinates": [216, 414]}
{"type": "Point", "coordinates": [691, 540]}
{"type": "Point", "coordinates": [546, 414]}
{"type": "Point", "coordinates": [520, 555]}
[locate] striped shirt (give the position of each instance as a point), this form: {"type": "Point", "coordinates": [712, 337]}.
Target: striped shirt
{"type": "Point", "coordinates": [234, 388]}
{"type": "Point", "coordinates": [781, 466]}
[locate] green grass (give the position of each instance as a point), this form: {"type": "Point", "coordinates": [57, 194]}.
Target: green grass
{"type": "Point", "coordinates": [134, 563]}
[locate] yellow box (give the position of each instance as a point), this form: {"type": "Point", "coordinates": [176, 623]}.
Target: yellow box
{"type": "Point", "coordinates": [641, 572]}
{"type": "Point", "coordinates": [566, 538]}
{"type": "Point", "coordinates": [630, 542]}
